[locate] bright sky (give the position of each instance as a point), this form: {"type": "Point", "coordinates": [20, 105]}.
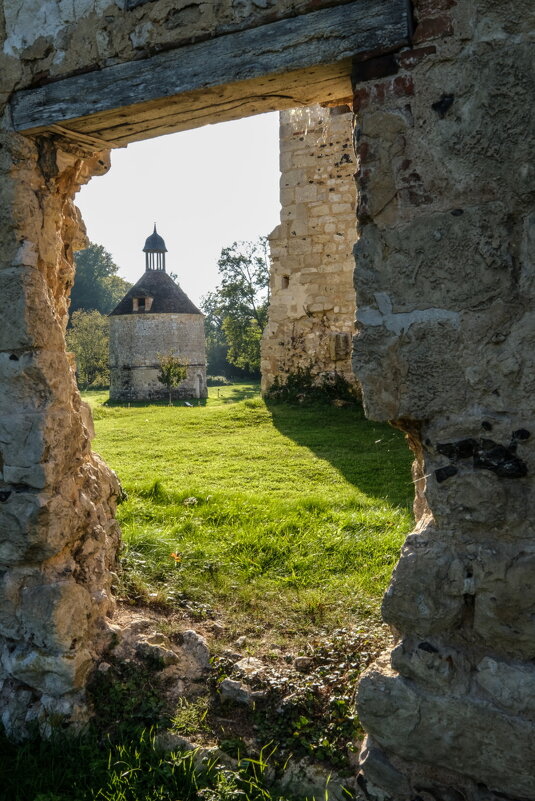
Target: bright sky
{"type": "Point", "coordinates": [204, 188]}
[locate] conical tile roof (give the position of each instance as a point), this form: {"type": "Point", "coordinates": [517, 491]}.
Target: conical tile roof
{"type": "Point", "coordinates": [167, 296]}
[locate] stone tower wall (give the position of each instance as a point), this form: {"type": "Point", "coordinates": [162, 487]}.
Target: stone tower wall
{"type": "Point", "coordinates": [312, 299]}
{"type": "Point", "coordinates": [136, 342]}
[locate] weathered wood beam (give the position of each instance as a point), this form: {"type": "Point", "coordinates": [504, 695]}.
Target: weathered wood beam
{"type": "Point", "coordinates": [219, 104]}
{"type": "Point", "coordinates": [262, 68]}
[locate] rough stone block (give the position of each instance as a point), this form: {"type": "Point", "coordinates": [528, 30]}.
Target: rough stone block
{"type": "Point", "coordinates": [28, 319]}
{"type": "Point", "coordinates": [465, 733]}
{"type": "Point", "coordinates": [54, 675]}
{"type": "Point", "coordinates": [411, 603]}
{"type": "Point", "coordinates": [55, 615]}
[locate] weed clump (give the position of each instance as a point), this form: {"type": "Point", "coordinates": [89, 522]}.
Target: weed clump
{"type": "Point", "coordinates": [303, 386]}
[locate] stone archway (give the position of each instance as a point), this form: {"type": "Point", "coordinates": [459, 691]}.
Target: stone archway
{"type": "Point", "coordinates": [444, 345]}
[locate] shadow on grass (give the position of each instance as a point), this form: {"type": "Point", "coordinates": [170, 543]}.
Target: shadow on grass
{"type": "Point", "coordinates": [372, 456]}
{"type": "Point", "coordinates": [130, 767]}
{"type": "Point", "coordinates": [235, 394]}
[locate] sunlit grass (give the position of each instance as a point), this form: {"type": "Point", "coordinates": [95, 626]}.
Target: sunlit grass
{"type": "Point", "coordinates": [265, 506]}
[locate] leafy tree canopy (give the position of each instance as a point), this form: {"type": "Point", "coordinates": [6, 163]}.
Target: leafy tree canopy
{"type": "Point", "coordinates": [172, 372]}
{"type": "Point", "coordinates": [236, 312]}
{"type": "Point", "coordinates": [88, 339]}
{"type": "Point", "coordinates": [96, 283]}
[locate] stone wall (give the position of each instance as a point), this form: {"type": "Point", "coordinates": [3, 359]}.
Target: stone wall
{"type": "Point", "coordinates": [58, 537]}
{"type": "Point", "coordinates": [312, 299]}
{"type": "Point", "coordinates": [136, 342]}
{"type": "Point", "coordinates": [445, 346]}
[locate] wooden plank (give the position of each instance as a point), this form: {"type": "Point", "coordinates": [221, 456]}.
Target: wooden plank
{"type": "Point", "coordinates": [219, 104]}
{"type": "Point", "coordinates": [322, 37]}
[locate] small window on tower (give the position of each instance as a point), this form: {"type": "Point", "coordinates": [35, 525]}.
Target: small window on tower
{"type": "Point", "coordinates": [285, 282]}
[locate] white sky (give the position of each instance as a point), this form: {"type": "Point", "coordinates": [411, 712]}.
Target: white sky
{"type": "Point", "coordinates": [204, 188]}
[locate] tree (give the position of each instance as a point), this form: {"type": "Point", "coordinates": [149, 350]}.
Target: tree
{"type": "Point", "coordinates": [172, 372]}
{"type": "Point", "coordinates": [88, 339]}
{"type": "Point", "coordinates": [216, 341]}
{"type": "Point", "coordinates": [96, 283]}
{"type": "Point", "coordinates": [237, 310]}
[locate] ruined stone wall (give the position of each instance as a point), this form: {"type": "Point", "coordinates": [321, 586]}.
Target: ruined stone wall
{"type": "Point", "coordinates": [445, 346]}
{"type": "Point", "coordinates": [58, 538]}
{"type": "Point", "coordinates": [137, 341]}
{"type": "Point", "coordinates": [312, 298]}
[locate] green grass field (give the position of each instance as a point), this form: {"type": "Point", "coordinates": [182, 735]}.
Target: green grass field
{"type": "Point", "coordinates": [279, 515]}
{"type": "Point", "coordinates": [285, 523]}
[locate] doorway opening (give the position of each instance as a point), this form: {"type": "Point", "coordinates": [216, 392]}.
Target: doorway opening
{"type": "Point", "coordinates": [269, 530]}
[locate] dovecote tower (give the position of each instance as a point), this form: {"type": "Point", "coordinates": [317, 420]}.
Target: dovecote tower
{"type": "Point", "coordinates": [155, 318]}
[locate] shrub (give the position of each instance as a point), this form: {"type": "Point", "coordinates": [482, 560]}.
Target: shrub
{"type": "Point", "coordinates": [217, 381]}
{"type": "Point", "coordinates": [302, 386]}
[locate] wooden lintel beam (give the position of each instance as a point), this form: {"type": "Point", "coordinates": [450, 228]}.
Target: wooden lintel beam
{"type": "Point", "coordinates": [323, 37]}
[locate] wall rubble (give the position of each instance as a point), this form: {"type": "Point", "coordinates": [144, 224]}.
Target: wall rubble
{"type": "Point", "coordinates": [444, 346]}
{"type": "Point", "coordinates": [312, 299]}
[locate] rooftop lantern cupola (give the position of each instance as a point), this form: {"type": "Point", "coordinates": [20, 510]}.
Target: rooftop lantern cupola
{"type": "Point", "coordinates": [155, 251]}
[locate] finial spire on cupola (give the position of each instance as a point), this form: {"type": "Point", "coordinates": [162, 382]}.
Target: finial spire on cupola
{"type": "Point", "coordinates": [155, 251]}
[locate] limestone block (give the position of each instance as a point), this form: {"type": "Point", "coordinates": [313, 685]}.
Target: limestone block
{"type": "Point", "coordinates": [511, 686]}
{"type": "Point", "coordinates": [11, 584]}
{"type": "Point", "coordinates": [299, 246]}
{"type": "Point", "coordinates": [505, 371]}
{"type": "Point", "coordinates": [26, 443]}
{"type": "Point", "coordinates": [197, 648]}
{"type": "Point", "coordinates": [411, 602]}
{"type": "Point", "coordinates": [399, 260]}
{"type": "Point", "coordinates": [51, 674]}
{"type": "Point", "coordinates": [378, 770]}
{"type": "Point", "coordinates": [305, 194]}
{"type": "Point", "coordinates": [415, 379]}
{"type": "Point", "coordinates": [476, 495]}
{"type": "Point", "coordinates": [504, 606]}
{"type": "Point", "coordinates": [466, 142]}
{"type": "Point", "coordinates": [55, 615]}
{"type": "Point", "coordinates": [37, 526]}
{"type": "Point", "coordinates": [433, 664]}
{"type": "Point", "coordinates": [438, 729]}
{"type": "Point", "coordinates": [28, 320]}
{"type": "Point", "coordinates": [22, 528]}
{"type": "Point", "coordinates": [33, 378]}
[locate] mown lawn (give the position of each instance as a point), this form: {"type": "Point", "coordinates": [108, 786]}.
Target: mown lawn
{"type": "Point", "coordinates": [280, 517]}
